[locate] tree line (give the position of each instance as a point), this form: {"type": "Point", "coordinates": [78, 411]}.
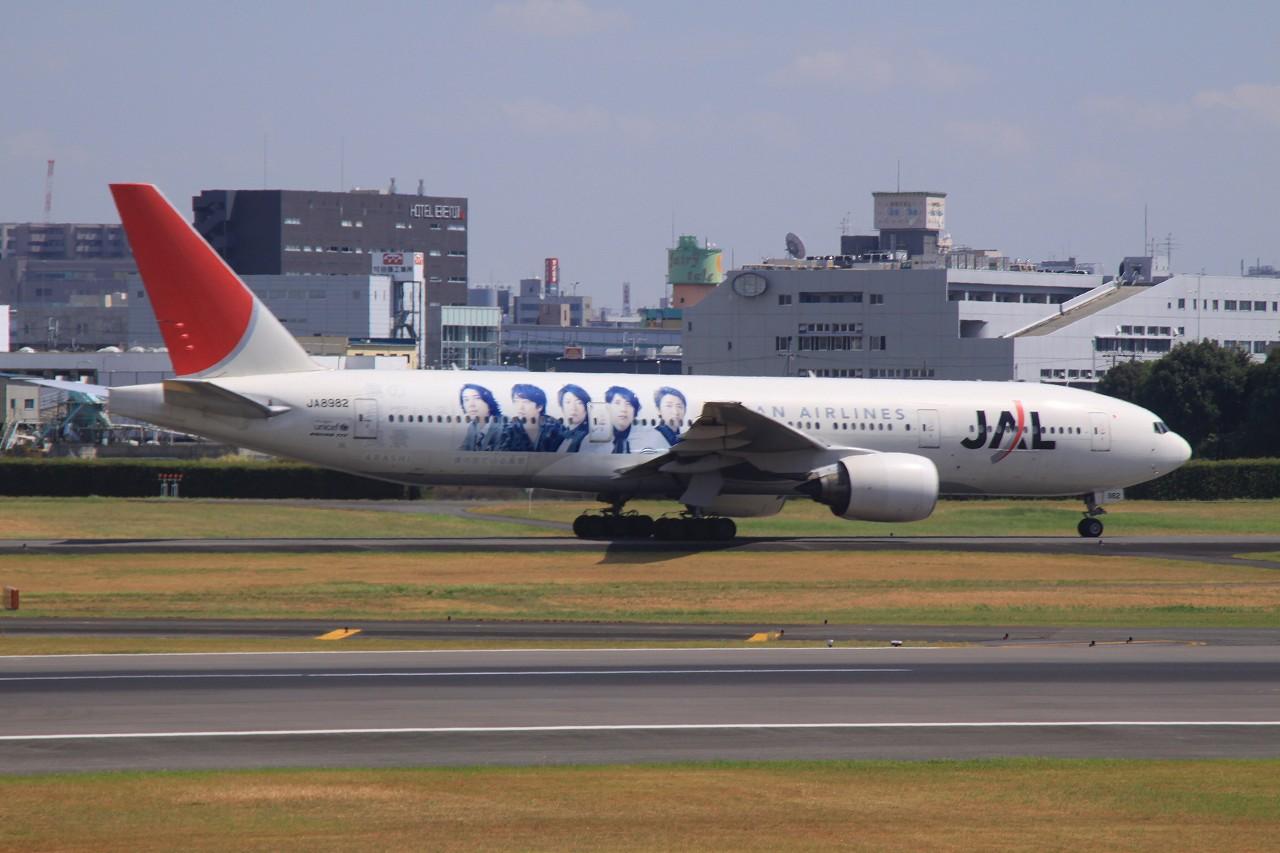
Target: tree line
{"type": "Point", "coordinates": [1218, 399]}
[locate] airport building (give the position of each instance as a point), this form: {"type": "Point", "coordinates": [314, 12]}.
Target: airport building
{"type": "Point", "coordinates": [66, 283]}
{"type": "Point", "coordinates": [307, 232]}
{"type": "Point", "coordinates": [963, 313]}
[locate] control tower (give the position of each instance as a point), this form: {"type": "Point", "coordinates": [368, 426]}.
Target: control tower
{"type": "Point", "coordinates": [693, 271]}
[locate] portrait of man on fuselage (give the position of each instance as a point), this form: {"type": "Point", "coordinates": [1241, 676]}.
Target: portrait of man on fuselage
{"type": "Point", "coordinates": [672, 407]}
{"type": "Point", "coordinates": [483, 416]}
{"type": "Point", "coordinates": [627, 435]}
{"type": "Point", "coordinates": [529, 428]}
{"type": "Point", "coordinates": [575, 403]}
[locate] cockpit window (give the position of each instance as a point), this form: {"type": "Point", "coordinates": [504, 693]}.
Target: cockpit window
{"type": "Point", "coordinates": [1160, 427]}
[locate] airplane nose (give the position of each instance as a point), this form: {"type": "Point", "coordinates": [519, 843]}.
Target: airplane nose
{"type": "Point", "coordinates": [1179, 450]}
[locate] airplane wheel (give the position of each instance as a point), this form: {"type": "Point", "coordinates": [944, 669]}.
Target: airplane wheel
{"type": "Point", "coordinates": [1090, 528]}
{"type": "Point", "coordinates": [725, 529]}
{"type": "Point", "coordinates": [639, 526]}
{"type": "Point", "coordinates": [590, 527]}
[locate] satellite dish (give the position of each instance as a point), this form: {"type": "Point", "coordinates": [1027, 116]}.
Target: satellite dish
{"type": "Point", "coordinates": [795, 246]}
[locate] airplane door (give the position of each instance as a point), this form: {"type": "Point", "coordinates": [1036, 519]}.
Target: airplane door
{"type": "Point", "coordinates": [928, 427]}
{"type": "Point", "coordinates": [598, 417]}
{"type": "Point", "coordinates": [366, 418]}
{"type": "Point", "coordinates": [1101, 426]}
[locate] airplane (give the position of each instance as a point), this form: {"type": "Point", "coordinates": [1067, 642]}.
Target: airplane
{"type": "Point", "coordinates": [723, 447]}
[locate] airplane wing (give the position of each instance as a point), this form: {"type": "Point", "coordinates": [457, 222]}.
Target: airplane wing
{"type": "Point", "coordinates": [727, 436]}
{"type": "Point", "coordinates": [98, 391]}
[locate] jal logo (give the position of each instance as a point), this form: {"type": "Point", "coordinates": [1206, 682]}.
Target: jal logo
{"type": "Point", "coordinates": [1008, 423]}
{"type": "Point", "coordinates": [391, 260]}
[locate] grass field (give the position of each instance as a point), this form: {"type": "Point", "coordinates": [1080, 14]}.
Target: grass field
{"type": "Point", "coordinates": [128, 518]}
{"type": "Point", "coordinates": [1028, 805]}
{"type": "Point", "coordinates": [724, 586]}
{"type": "Point", "coordinates": [978, 518]}
{"type": "Point", "coordinates": [133, 518]}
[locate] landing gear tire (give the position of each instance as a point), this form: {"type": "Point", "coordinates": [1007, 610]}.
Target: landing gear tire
{"type": "Point", "coordinates": [695, 529]}
{"type": "Point", "coordinates": [613, 526]}
{"type": "Point", "coordinates": [590, 527]}
{"type": "Point", "coordinates": [1090, 528]}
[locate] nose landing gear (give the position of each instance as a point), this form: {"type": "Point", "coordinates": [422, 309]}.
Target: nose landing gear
{"type": "Point", "coordinates": [1090, 527]}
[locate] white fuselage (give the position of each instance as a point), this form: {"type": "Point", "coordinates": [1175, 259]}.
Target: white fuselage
{"type": "Point", "coordinates": [985, 438]}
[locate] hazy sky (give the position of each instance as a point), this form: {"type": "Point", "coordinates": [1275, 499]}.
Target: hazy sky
{"type": "Point", "coordinates": [584, 128]}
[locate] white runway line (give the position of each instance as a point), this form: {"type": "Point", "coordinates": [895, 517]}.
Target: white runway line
{"type": "Point", "coordinates": [670, 727]}
{"type": "Point", "coordinates": [472, 674]}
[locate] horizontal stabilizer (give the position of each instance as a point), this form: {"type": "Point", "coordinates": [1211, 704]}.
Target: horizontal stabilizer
{"type": "Point", "coordinates": [213, 399]}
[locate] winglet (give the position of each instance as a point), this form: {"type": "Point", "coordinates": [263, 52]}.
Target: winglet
{"type": "Point", "coordinates": [212, 324]}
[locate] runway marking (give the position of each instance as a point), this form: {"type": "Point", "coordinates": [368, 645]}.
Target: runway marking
{"type": "Point", "coordinates": [642, 727]}
{"type": "Point", "coordinates": [522, 650]}
{"type": "Point", "coordinates": [460, 674]}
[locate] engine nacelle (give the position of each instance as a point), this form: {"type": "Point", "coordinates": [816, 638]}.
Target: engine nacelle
{"type": "Point", "coordinates": [878, 487]}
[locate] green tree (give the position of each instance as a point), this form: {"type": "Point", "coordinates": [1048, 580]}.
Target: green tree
{"type": "Point", "coordinates": [1125, 380]}
{"type": "Point", "coordinates": [1199, 390]}
{"type": "Point", "coordinates": [1261, 433]}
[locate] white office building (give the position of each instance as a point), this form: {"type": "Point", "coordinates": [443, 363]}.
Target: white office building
{"type": "Point", "coordinates": [887, 319]}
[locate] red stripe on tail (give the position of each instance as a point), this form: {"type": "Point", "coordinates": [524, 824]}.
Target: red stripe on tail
{"type": "Point", "coordinates": [201, 305]}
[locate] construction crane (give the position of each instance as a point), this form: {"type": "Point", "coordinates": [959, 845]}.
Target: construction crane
{"type": "Point", "coordinates": [48, 192]}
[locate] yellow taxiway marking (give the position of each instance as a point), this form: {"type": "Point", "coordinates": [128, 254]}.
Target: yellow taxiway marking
{"type": "Point", "coordinates": [764, 637]}
{"type": "Point", "coordinates": [339, 634]}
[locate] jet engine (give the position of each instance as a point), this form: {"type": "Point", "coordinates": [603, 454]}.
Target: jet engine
{"type": "Point", "coordinates": [877, 487]}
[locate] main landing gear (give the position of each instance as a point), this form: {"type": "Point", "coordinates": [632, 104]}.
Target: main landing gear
{"type": "Point", "coordinates": [690, 526]}
{"type": "Point", "coordinates": [1090, 527]}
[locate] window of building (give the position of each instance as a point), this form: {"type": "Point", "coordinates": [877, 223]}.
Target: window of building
{"type": "Point", "coordinates": [401, 226]}
{"type": "Point", "coordinates": [292, 248]}
{"type": "Point", "coordinates": [1260, 347]}
{"type": "Point", "coordinates": [784, 298]}
{"type": "Point", "coordinates": [435, 253]}
{"type": "Point", "coordinates": [782, 343]}
{"type": "Point", "coordinates": [346, 223]}
{"type": "Point", "coordinates": [1228, 304]}
{"type": "Point", "coordinates": [1182, 303]}
{"type": "Point", "coordinates": [1259, 306]}
{"type": "Point", "coordinates": [877, 299]}
{"type": "Point", "coordinates": [292, 220]}
{"type": "Point", "coordinates": [1246, 305]}
{"type": "Point", "coordinates": [359, 223]}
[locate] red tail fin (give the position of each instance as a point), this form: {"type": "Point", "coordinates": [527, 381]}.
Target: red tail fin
{"type": "Point", "coordinates": [211, 323]}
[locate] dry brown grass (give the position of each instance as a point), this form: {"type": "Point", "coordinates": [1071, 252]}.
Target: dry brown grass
{"type": "Point", "coordinates": [1005, 805]}
{"type": "Point", "coordinates": [720, 586]}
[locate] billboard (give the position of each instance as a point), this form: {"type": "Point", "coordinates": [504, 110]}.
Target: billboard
{"type": "Point", "coordinates": [401, 266]}
{"type": "Point", "coordinates": [925, 211]}
{"type": "Point", "coordinates": [552, 271]}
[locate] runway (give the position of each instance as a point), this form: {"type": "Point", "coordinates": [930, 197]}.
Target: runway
{"type": "Point", "coordinates": [536, 707]}
{"type": "Point", "coordinates": [1200, 548]}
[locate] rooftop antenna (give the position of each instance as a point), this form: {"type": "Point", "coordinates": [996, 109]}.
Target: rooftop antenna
{"type": "Point", "coordinates": [342, 164]}
{"type": "Point", "coordinates": [795, 246]}
{"type": "Point", "coordinates": [1146, 246]}
{"type": "Point", "coordinates": [391, 190]}
{"type": "Point", "coordinates": [899, 175]}
{"type": "Point", "coordinates": [48, 192]}
{"type": "Point", "coordinates": [422, 186]}
{"type": "Point", "coordinates": [844, 223]}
